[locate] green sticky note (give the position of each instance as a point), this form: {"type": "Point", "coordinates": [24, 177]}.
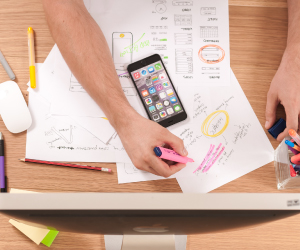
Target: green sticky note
{"type": "Point", "coordinates": [50, 237]}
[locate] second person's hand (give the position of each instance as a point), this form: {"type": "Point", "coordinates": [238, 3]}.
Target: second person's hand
{"type": "Point", "coordinates": [285, 89]}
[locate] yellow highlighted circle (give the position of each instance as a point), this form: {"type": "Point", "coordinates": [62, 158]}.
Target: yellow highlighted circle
{"type": "Point", "coordinates": [122, 35]}
{"type": "Point", "coordinates": [210, 118]}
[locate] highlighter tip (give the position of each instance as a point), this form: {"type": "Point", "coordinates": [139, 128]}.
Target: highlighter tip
{"type": "Point", "coordinates": [292, 132]}
{"type": "Point", "coordinates": [30, 30]}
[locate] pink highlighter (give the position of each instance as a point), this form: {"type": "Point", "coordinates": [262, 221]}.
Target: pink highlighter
{"type": "Point", "coordinates": [171, 155]}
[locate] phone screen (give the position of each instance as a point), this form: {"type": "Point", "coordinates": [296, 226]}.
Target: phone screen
{"type": "Point", "coordinates": [157, 92]}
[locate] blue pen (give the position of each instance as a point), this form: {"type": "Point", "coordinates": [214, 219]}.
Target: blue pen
{"type": "Point", "coordinates": [292, 145]}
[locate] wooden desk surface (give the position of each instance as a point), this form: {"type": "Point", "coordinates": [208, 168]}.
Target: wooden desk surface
{"type": "Point", "coordinates": [258, 30]}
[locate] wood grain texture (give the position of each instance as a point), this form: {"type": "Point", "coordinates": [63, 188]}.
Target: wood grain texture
{"type": "Point", "coordinates": [258, 32]}
{"type": "Point", "coordinates": [259, 3]}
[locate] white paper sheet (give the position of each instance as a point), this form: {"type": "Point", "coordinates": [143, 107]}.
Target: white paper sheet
{"type": "Point", "coordinates": [191, 36]}
{"type": "Point", "coordinates": [99, 127]}
{"type": "Point", "coordinates": [45, 90]}
{"type": "Point", "coordinates": [128, 173]}
{"type": "Point", "coordinates": [246, 144]}
{"type": "Point", "coordinates": [177, 30]}
{"type": "Point", "coordinates": [51, 139]}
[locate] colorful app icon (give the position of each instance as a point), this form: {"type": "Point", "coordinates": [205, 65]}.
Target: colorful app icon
{"type": "Point", "coordinates": [155, 117]}
{"type": "Point", "coordinates": [136, 75]}
{"type": "Point", "coordinates": [159, 87]}
{"type": "Point", "coordinates": [162, 95]}
{"type": "Point", "coordinates": [170, 92]}
{"type": "Point", "coordinates": [157, 66]}
{"type": "Point", "coordinates": [151, 69]}
{"type": "Point", "coordinates": [148, 81]}
{"type": "Point", "coordinates": [162, 76]}
{"type": "Point", "coordinates": [159, 106]}
{"type": "Point", "coordinates": [145, 93]}
{"type": "Point", "coordinates": [152, 109]}
{"type": "Point", "coordinates": [166, 84]}
{"type": "Point", "coordinates": [148, 101]}
{"type": "Point", "coordinates": [166, 103]}
{"type": "Point", "coordinates": [163, 114]}
{"type": "Point", "coordinates": [177, 108]}
{"type": "Point", "coordinates": [155, 79]}
{"type": "Point", "coordinates": [152, 90]}
{"type": "Point", "coordinates": [173, 99]}
{"type": "Point", "coordinates": [144, 72]}
{"type": "Point", "coordinates": [170, 111]}
{"type": "Point", "coordinates": [155, 98]}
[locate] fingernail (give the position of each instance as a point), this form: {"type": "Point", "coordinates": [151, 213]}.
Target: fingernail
{"type": "Point", "coordinates": [267, 124]}
{"type": "Point", "coordinates": [184, 151]}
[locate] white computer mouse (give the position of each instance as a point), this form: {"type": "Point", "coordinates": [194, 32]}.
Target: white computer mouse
{"type": "Point", "coordinates": [13, 108]}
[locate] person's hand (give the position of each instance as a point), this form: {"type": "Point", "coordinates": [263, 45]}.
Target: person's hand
{"type": "Point", "coordinates": [140, 136]}
{"type": "Point", "coordinates": [285, 89]}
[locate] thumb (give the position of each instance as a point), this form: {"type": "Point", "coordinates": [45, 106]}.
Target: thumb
{"type": "Point", "coordinates": [176, 144]}
{"type": "Point", "coordinates": [272, 103]}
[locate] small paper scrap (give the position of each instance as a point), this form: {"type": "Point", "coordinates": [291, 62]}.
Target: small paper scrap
{"type": "Point", "coordinates": [36, 232]}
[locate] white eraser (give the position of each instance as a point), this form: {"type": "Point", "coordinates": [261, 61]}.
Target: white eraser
{"type": "Point", "coordinates": [13, 108]}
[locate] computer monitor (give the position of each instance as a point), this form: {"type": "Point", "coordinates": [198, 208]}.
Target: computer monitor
{"type": "Point", "coordinates": [149, 213]}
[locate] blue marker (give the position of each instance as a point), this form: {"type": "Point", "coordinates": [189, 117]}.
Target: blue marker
{"type": "Point", "coordinates": [292, 145]}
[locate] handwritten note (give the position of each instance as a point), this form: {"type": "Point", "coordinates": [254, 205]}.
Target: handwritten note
{"type": "Point", "coordinates": [228, 119]}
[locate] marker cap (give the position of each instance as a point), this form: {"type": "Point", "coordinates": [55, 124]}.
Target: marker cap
{"type": "Point", "coordinates": [157, 151]}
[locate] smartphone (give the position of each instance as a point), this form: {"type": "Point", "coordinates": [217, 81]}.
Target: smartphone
{"type": "Point", "coordinates": [122, 49]}
{"type": "Point", "coordinates": [156, 91]}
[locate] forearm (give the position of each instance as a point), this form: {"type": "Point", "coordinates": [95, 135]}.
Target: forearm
{"type": "Point", "coordinates": [86, 52]}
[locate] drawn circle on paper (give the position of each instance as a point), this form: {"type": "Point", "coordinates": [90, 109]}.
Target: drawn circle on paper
{"type": "Point", "coordinates": [161, 8]}
{"type": "Point", "coordinates": [215, 124]}
{"type": "Point", "coordinates": [211, 54]}
{"type": "Point", "coordinates": [122, 35]}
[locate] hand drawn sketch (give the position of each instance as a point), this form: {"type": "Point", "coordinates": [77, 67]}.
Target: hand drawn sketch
{"type": "Point", "coordinates": [228, 140]}
{"type": "Point", "coordinates": [75, 86]}
{"type": "Point", "coordinates": [208, 31]}
{"type": "Point", "coordinates": [161, 8]}
{"type": "Point", "coordinates": [206, 11]}
{"type": "Point", "coordinates": [215, 124]}
{"type": "Point", "coordinates": [122, 43]}
{"type": "Point", "coordinates": [183, 20]}
{"type": "Point", "coordinates": [182, 3]}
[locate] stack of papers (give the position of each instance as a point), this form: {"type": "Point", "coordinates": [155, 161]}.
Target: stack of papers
{"type": "Point", "coordinates": [193, 39]}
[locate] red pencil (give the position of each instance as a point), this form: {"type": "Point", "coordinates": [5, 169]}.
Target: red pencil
{"type": "Point", "coordinates": [67, 165]}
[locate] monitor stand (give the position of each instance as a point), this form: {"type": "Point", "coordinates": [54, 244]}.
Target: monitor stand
{"type": "Point", "coordinates": [145, 242]}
